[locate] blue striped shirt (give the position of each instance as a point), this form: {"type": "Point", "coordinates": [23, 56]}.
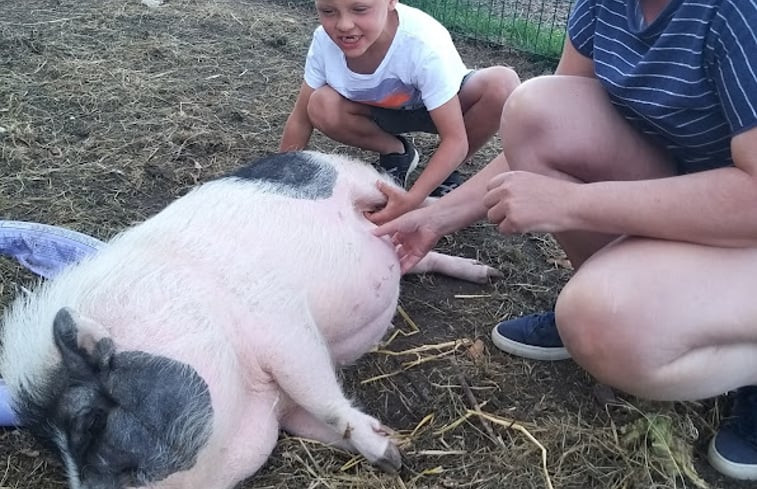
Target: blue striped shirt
{"type": "Point", "coordinates": [687, 79]}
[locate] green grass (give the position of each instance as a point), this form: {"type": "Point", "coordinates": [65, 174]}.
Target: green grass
{"type": "Point", "coordinates": [481, 24]}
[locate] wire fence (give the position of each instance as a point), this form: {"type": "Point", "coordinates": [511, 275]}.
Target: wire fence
{"type": "Point", "coordinates": [532, 26]}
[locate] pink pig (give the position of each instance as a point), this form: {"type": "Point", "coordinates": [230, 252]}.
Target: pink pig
{"type": "Point", "coordinates": [172, 357]}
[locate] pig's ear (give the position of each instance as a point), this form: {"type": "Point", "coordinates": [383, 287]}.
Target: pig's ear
{"type": "Point", "coordinates": [84, 344]}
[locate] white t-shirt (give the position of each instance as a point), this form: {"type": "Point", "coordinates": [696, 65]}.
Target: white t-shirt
{"type": "Point", "coordinates": [421, 68]}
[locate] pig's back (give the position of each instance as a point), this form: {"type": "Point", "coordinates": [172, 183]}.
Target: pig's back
{"type": "Point", "coordinates": [290, 225]}
{"type": "Point", "coordinates": [280, 215]}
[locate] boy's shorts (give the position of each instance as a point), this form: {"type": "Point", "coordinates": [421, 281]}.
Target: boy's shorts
{"type": "Point", "coordinates": [399, 121]}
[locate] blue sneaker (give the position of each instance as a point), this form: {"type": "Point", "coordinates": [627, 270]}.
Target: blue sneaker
{"type": "Point", "coordinates": [733, 450]}
{"type": "Point", "coordinates": [534, 336]}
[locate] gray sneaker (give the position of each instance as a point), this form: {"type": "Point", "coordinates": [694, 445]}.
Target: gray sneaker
{"type": "Point", "coordinates": [400, 165]}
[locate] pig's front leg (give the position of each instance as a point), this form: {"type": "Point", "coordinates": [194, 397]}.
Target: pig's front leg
{"type": "Point", "coordinates": [295, 354]}
{"type": "Point", "coordinates": [298, 421]}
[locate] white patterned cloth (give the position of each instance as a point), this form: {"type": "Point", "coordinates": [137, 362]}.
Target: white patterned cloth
{"type": "Point", "coordinates": [42, 248]}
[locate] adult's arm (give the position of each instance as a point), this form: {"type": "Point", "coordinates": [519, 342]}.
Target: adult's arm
{"type": "Point", "coordinates": [715, 207]}
{"type": "Point", "coordinates": [574, 63]}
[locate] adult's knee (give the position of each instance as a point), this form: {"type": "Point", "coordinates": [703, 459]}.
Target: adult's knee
{"type": "Point", "coordinates": [595, 321]}
{"type": "Point", "coordinates": [527, 125]}
{"type": "Point", "coordinates": [579, 315]}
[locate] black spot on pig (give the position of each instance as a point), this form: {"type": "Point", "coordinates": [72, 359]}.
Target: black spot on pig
{"type": "Point", "coordinates": [294, 174]}
{"type": "Point", "coordinates": [118, 418]}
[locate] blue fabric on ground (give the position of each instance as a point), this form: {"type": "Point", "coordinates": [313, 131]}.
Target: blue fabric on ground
{"type": "Point", "coordinates": [42, 248]}
{"type": "Point", "coordinates": [45, 250]}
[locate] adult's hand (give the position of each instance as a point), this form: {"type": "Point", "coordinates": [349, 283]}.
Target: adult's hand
{"type": "Point", "coordinates": [413, 235]}
{"type": "Point", "coordinates": [524, 202]}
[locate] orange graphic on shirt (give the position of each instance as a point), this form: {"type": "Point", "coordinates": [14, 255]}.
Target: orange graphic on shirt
{"type": "Point", "coordinates": [392, 100]}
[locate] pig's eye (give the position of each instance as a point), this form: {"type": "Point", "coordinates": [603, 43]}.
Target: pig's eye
{"type": "Point", "coordinates": [85, 429]}
{"type": "Point", "coordinates": [98, 421]}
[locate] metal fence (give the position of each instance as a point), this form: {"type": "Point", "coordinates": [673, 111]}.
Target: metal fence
{"type": "Point", "coordinates": [533, 26]}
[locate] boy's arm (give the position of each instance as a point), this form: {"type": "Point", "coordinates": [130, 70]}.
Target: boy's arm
{"type": "Point", "coordinates": [453, 147]}
{"type": "Point", "coordinates": [298, 129]}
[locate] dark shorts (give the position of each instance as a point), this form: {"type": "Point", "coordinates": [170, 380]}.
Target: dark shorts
{"type": "Point", "coordinates": [399, 121]}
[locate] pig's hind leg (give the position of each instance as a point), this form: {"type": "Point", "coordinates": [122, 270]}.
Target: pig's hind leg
{"type": "Point", "coordinates": [457, 267]}
{"type": "Point", "coordinates": [299, 361]}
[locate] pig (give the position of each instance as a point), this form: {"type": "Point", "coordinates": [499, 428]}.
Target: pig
{"type": "Point", "coordinates": [173, 356]}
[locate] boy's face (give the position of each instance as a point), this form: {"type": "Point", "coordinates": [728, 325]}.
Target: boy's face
{"type": "Point", "coordinates": [356, 25]}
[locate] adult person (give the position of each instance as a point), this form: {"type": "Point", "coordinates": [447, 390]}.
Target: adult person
{"type": "Point", "coordinates": [640, 156]}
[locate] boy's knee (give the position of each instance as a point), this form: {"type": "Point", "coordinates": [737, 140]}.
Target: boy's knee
{"type": "Point", "coordinates": [507, 81]}
{"type": "Point", "coordinates": [321, 108]}
{"type": "Point", "coordinates": [499, 82]}
{"type": "Point", "coordinates": [492, 87]}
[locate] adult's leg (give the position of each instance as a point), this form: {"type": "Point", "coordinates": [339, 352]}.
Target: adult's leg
{"type": "Point", "coordinates": [482, 97]}
{"type": "Point", "coordinates": [566, 127]}
{"type": "Point", "coordinates": [664, 320]}
{"type": "Point", "coordinates": [349, 122]}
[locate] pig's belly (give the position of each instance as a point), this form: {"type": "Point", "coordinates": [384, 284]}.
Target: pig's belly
{"type": "Point", "coordinates": [354, 305]}
{"type": "Point", "coordinates": [326, 250]}
{"type": "Point", "coordinates": [355, 310]}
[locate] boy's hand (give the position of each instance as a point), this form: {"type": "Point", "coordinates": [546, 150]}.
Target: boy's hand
{"type": "Point", "coordinates": [398, 202]}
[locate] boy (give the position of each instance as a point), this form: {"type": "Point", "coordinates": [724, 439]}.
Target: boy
{"type": "Point", "coordinates": [376, 69]}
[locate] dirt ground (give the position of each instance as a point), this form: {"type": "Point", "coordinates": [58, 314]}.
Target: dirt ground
{"type": "Point", "coordinates": [111, 109]}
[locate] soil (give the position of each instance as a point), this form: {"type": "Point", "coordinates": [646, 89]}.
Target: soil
{"type": "Point", "coordinates": [111, 109]}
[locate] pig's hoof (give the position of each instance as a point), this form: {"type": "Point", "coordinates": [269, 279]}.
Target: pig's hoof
{"type": "Point", "coordinates": [484, 273]}
{"type": "Point", "coordinates": [391, 461]}
{"type": "Point", "coordinates": [493, 272]}
{"type": "Point", "coordinates": [384, 430]}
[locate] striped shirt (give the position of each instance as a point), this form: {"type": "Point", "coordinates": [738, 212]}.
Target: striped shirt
{"type": "Point", "coordinates": [688, 79]}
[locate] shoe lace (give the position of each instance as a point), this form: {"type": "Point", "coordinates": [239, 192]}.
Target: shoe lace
{"type": "Point", "coordinates": [543, 326]}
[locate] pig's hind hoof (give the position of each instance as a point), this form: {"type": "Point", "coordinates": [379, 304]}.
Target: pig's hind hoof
{"type": "Point", "coordinates": [493, 273]}
{"type": "Point", "coordinates": [391, 461]}
{"type": "Point", "coordinates": [483, 272]}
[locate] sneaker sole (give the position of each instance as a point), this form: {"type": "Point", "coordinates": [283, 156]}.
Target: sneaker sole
{"type": "Point", "coordinates": [411, 168]}
{"type": "Point", "coordinates": [528, 351]}
{"type": "Point", "coordinates": [728, 468]}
